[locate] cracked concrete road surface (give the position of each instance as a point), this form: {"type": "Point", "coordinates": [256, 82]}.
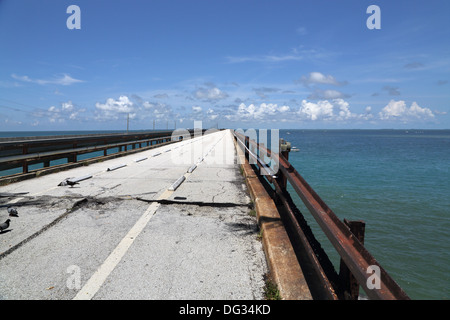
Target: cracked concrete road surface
{"type": "Point", "coordinates": [120, 234]}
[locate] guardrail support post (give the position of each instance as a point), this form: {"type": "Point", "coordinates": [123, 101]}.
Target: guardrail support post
{"type": "Point", "coordinates": [72, 158]}
{"type": "Point", "coordinates": [24, 162]}
{"type": "Point", "coordinates": [247, 144]}
{"type": "Point", "coordinates": [284, 151]}
{"type": "Point", "coordinates": [24, 166]}
{"type": "Point", "coordinates": [349, 287]}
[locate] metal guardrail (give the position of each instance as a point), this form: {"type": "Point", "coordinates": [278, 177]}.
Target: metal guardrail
{"type": "Point", "coordinates": [346, 237]}
{"type": "Point", "coordinates": [16, 153]}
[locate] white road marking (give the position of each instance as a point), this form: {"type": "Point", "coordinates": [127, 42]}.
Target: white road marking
{"type": "Point", "coordinates": [98, 278]}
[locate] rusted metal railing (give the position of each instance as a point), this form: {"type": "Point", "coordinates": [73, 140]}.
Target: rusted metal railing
{"type": "Point", "coordinates": [358, 266]}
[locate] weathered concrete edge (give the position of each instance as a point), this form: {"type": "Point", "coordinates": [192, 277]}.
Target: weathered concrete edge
{"type": "Point", "coordinates": [281, 259]}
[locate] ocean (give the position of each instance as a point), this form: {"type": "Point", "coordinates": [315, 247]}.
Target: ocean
{"type": "Point", "coordinates": [397, 181]}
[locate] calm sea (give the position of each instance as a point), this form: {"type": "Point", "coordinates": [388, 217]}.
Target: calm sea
{"type": "Point", "coordinates": [397, 181]}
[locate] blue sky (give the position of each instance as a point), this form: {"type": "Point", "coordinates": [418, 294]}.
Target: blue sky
{"type": "Point", "coordinates": [238, 64]}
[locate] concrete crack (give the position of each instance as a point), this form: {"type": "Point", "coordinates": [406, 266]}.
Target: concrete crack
{"type": "Point", "coordinates": [74, 207]}
{"type": "Point", "coordinates": [197, 203]}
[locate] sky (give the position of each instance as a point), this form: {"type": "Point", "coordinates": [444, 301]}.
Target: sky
{"type": "Point", "coordinates": [232, 64]}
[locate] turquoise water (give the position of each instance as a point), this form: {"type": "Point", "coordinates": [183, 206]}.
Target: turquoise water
{"type": "Point", "coordinates": [398, 182]}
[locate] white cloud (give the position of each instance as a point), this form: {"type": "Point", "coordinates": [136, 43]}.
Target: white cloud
{"type": "Point", "coordinates": [156, 110]}
{"type": "Point", "coordinates": [334, 110]}
{"type": "Point", "coordinates": [67, 111]}
{"type": "Point", "coordinates": [418, 112]}
{"type": "Point", "coordinates": [67, 106]}
{"type": "Point", "coordinates": [113, 108]}
{"type": "Point", "coordinates": [196, 109]}
{"type": "Point", "coordinates": [263, 112]}
{"type": "Point", "coordinates": [319, 78]}
{"type": "Point", "coordinates": [64, 80]}
{"type": "Point", "coordinates": [300, 53]}
{"type": "Point", "coordinates": [314, 111]}
{"type": "Point", "coordinates": [210, 93]}
{"type": "Point", "coordinates": [398, 110]}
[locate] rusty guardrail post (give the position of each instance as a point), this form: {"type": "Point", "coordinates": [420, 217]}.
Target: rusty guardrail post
{"type": "Point", "coordinates": [24, 162]}
{"type": "Point", "coordinates": [349, 286]}
{"type": "Point", "coordinates": [247, 143]}
{"type": "Point", "coordinates": [285, 148]}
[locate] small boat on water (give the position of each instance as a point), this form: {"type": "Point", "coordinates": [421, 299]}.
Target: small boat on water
{"type": "Point", "coordinates": [295, 149]}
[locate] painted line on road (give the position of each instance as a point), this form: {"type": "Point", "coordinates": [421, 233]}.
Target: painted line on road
{"type": "Point", "coordinates": [95, 282]}
{"type": "Point", "coordinates": [101, 274]}
{"type": "Point", "coordinates": [98, 278]}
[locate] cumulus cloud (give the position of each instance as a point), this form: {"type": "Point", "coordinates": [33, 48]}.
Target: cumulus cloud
{"type": "Point", "coordinates": [319, 78]}
{"type": "Point", "coordinates": [333, 110]}
{"type": "Point", "coordinates": [209, 93]}
{"type": "Point", "coordinates": [197, 109]}
{"type": "Point", "coordinates": [211, 114]}
{"type": "Point", "coordinates": [156, 110]}
{"type": "Point", "coordinates": [397, 110]}
{"type": "Point", "coordinates": [138, 109]}
{"type": "Point", "coordinates": [314, 111]}
{"type": "Point", "coordinates": [263, 112]}
{"type": "Point", "coordinates": [112, 109]}
{"type": "Point", "coordinates": [67, 111]}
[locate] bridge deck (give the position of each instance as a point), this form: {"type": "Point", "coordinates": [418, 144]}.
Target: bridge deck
{"type": "Point", "coordinates": [122, 235]}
